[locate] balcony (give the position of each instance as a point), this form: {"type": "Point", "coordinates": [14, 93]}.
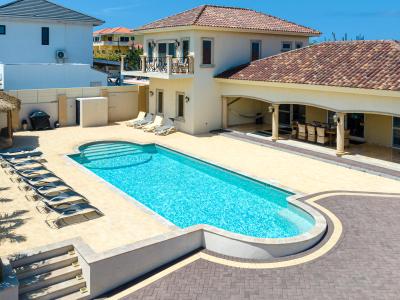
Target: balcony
{"type": "Point", "coordinates": [166, 67]}
{"type": "Point", "coordinates": [111, 43]}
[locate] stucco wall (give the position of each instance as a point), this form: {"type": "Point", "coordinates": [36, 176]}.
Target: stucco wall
{"type": "Point", "coordinates": [22, 42]}
{"type": "Point", "coordinates": [316, 114]}
{"type": "Point", "coordinates": [170, 88]}
{"type": "Point", "coordinates": [44, 76]}
{"type": "Point", "coordinates": [378, 129]}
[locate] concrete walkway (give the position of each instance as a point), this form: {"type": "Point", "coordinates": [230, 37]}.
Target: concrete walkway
{"type": "Point", "coordinates": [363, 265]}
{"type": "Point", "coordinates": [372, 168]}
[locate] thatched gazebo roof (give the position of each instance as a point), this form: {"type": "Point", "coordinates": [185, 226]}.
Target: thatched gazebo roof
{"type": "Point", "coordinates": [8, 102]}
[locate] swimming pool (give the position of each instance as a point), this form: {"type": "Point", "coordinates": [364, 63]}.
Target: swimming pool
{"type": "Point", "coordinates": [187, 191]}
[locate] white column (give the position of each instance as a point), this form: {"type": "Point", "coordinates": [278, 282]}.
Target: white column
{"type": "Point", "coordinates": [225, 120]}
{"type": "Point", "coordinates": [143, 62]}
{"type": "Point", "coordinates": [275, 122]}
{"type": "Point", "coordinates": [340, 134]}
{"type": "Point", "coordinates": [122, 63]}
{"type": "Point", "coordinates": [190, 64]}
{"type": "Point", "coordinates": [169, 64]}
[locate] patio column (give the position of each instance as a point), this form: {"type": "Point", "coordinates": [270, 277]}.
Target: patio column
{"type": "Point", "coordinates": [122, 63]}
{"type": "Point", "coordinates": [224, 112]}
{"type": "Point", "coordinates": [143, 61]}
{"type": "Point", "coordinates": [190, 64]}
{"type": "Point", "coordinates": [169, 64]}
{"type": "Point", "coordinates": [340, 134]}
{"type": "Point", "coordinates": [275, 122]}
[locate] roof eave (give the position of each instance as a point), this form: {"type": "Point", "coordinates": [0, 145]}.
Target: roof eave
{"type": "Point", "coordinates": [94, 23]}
{"type": "Point", "coordinates": [230, 29]}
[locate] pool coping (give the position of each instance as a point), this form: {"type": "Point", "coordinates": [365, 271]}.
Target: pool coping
{"type": "Point", "coordinates": [316, 233]}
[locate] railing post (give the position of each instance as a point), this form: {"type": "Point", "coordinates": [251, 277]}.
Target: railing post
{"type": "Point", "coordinates": [169, 64]}
{"type": "Point", "coordinates": [190, 64]}
{"type": "Point", "coordinates": [143, 62]}
{"type": "Point", "coordinates": [122, 63]}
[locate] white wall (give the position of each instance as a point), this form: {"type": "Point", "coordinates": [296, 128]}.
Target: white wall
{"type": "Point", "coordinates": [42, 76]}
{"type": "Point", "coordinates": [22, 42]}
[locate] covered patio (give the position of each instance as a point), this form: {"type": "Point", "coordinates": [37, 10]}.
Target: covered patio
{"type": "Point", "coordinates": [303, 96]}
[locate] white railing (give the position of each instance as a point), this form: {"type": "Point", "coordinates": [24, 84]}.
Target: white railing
{"type": "Point", "coordinates": [165, 64]}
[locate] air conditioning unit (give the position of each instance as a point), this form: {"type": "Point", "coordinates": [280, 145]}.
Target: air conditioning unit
{"type": "Point", "coordinates": [61, 55]}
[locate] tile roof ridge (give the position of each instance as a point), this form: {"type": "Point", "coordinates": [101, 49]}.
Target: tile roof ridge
{"type": "Point", "coordinates": [203, 7]}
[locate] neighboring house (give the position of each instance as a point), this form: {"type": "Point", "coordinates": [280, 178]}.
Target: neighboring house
{"type": "Point", "coordinates": [192, 61]}
{"type": "Point", "coordinates": [46, 45]}
{"type": "Point", "coordinates": [109, 43]}
{"type": "Point", "coordinates": [202, 43]}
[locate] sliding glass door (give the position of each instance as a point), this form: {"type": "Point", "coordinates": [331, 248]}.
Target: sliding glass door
{"type": "Point", "coordinates": [396, 132]}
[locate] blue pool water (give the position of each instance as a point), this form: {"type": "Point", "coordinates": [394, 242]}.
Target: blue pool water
{"type": "Point", "coordinates": [187, 191]}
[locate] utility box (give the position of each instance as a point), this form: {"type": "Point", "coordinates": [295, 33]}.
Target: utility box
{"type": "Point", "coordinates": [92, 112]}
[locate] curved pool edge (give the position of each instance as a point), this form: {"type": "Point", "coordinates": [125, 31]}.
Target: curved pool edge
{"type": "Point", "coordinates": [225, 242]}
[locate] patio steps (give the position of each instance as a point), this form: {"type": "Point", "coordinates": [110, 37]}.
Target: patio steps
{"type": "Point", "coordinates": [50, 274]}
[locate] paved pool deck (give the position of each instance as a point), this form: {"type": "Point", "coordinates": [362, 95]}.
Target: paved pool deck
{"type": "Point", "coordinates": [364, 264]}
{"type": "Point", "coordinates": [24, 228]}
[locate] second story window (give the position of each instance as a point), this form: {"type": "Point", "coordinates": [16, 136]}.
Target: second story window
{"type": "Point", "coordinates": [286, 46]}
{"type": "Point", "coordinates": [255, 50]}
{"type": "Point", "coordinates": [2, 29]}
{"type": "Point", "coordinates": [45, 36]}
{"type": "Point", "coordinates": [299, 45]}
{"type": "Point", "coordinates": [185, 48]}
{"type": "Point", "coordinates": [207, 52]}
{"type": "Point", "coordinates": [124, 39]}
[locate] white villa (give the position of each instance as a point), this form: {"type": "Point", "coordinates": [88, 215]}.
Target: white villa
{"type": "Point", "coordinates": [45, 45]}
{"type": "Point", "coordinates": [282, 84]}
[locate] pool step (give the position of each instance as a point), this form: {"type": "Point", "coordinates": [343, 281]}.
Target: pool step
{"type": "Point", "coordinates": [50, 274]}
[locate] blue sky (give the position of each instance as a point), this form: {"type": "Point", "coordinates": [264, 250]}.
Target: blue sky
{"type": "Point", "coordinates": [372, 18]}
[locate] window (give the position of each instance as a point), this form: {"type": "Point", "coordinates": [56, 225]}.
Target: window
{"type": "Point", "coordinates": [299, 45]}
{"type": "Point", "coordinates": [185, 48]}
{"type": "Point", "coordinates": [172, 49]}
{"type": "Point", "coordinates": [2, 29]}
{"type": "Point", "coordinates": [132, 38]}
{"type": "Point", "coordinates": [180, 105]}
{"type": "Point", "coordinates": [162, 50]}
{"type": "Point", "coordinates": [255, 50]}
{"type": "Point", "coordinates": [96, 39]}
{"type": "Point", "coordinates": [45, 36]}
{"type": "Point", "coordinates": [160, 100]}
{"type": "Point", "coordinates": [109, 38]}
{"type": "Point", "coordinates": [207, 52]}
{"type": "Point", "coordinates": [150, 50]}
{"type": "Point", "coordinates": [124, 39]}
{"type": "Point", "coordinates": [286, 46]}
{"type": "Point", "coordinates": [299, 113]}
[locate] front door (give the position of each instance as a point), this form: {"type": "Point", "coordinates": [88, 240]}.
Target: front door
{"type": "Point", "coordinates": [284, 118]}
{"type": "Point", "coordinates": [396, 132]}
{"type": "Point", "coordinates": [355, 123]}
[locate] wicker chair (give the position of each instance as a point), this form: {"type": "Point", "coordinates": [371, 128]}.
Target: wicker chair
{"type": "Point", "coordinates": [302, 134]}
{"type": "Point", "coordinates": [311, 136]}
{"type": "Point", "coordinates": [321, 137]}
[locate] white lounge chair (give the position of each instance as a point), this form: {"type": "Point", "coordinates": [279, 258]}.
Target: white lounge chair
{"type": "Point", "coordinates": [6, 163]}
{"type": "Point", "coordinates": [18, 154]}
{"type": "Point", "coordinates": [148, 119]}
{"type": "Point", "coordinates": [158, 120]}
{"type": "Point", "coordinates": [140, 117]}
{"type": "Point", "coordinates": [166, 129]}
{"type": "Point", "coordinates": [47, 190]}
{"type": "Point", "coordinates": [26, 183]}
{"type": "Point", "coordinates": [59, 215]}
{"type": "Point", "coordinates": [29, 174]}
{"type": "Point", "coordinates": [12, 169]}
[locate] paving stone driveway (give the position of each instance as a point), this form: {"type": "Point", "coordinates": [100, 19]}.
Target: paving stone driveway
{"type": "Point", "coordinates": [364, 265]}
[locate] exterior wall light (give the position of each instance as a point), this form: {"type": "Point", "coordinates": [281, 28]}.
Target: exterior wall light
{"type": "Point", "coordinates": [187, 99]}
{"type": "Point", "coordinates": [151, 93]}
{"type": "Point", "coordinates": [271, 109]}
{"type": "Point", "coordinates": [336, 118]}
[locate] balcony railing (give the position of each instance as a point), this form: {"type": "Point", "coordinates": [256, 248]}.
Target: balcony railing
{"type": "Point", "coordinates": [165, 64]}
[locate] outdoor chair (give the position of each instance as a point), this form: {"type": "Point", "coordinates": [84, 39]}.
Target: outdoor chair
{"type": "Point", "coordinates": [302, 135]}
{"type": "Point", "coordinates": [158, 120]}
{"type": "Point", "coordinates": [140, 117]}
{"type": "Point", "coordinates": [166, 129]}
{"type": "Point", "coordinates": [311, 136]}
{"type": "Point", "coordinates": [148, 119]}
{"type": "Point", "coordinates": [321, 136]}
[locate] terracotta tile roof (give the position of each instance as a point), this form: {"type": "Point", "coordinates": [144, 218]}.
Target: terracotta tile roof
{"type": "Point", "coordinates": [115, 30]}
{"type": "Point", "coordinates": [229, 17]}
{"type": "Point", "coordinates": [355, 64]}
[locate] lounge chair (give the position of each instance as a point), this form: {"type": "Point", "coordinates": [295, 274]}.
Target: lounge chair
{"type": "Point", "coordinates": [165, 129]}
{"type": "Point", "coordinates": [6, 163]}
{"type": "Point", "coordinates": [58, 215]}
{"type": "Point", "coordinates": [158, 120]}
{"type": "Point", "coordinates": [50, 189]}
{"type": "Point", "coordinates": [20, 154]}
{"type": "Point", "coordinates": [29, 174]}
{"type": "Point", "coordinates": [140, 117]}
{"type": "Point", "coordinates": [61, 201]}
{"type": "Point", "coordinates": [12, 169]}
{"type": "Point", "coordinates": [41, 180]}
{"type": "Point", "coordinates": [148, 119]}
